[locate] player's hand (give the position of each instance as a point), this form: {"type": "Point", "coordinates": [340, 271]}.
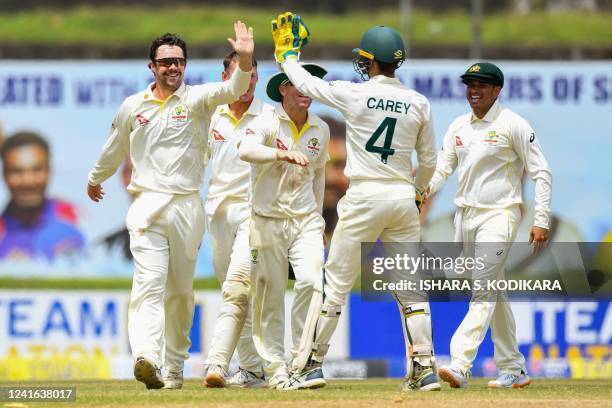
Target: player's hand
{"type": "Point", "coordinates": [243, 44]}
{"type": "Point", "coordinates": [290, 35]}
{"type": "Point", "coordinates": [96, 193]}
{"type": "Point", "coordinates": [420, 198]}
{"type": "Point", "coordinates": [292, 157]}
{"type": "Point", "coordinates": [539, 237]}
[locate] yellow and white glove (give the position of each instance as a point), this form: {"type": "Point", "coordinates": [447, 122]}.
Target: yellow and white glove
{"type": "Point", "coordinates": [420, 198]}
{"type": "Point", "coordinates": [290, 35]}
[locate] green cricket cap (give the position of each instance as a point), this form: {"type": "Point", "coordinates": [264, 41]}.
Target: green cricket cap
{"type": "Point", "coordinates": [485, 72]}
{"type": "Point", "coordinates": [280, 78]}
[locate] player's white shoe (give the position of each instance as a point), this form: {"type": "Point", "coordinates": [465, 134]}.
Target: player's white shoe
{"type": "Point", "coordinates": [173, 380]}
{"type": "Point", "coordinates": [455, 377]}
{"type": "Point", "coordinates": [246, 379]}
{"type": "Point", "coordinates": [277, 380]}
{"type": "Point", "coordinates": [424, 380]}
{"type": "Point", "coordinates": [215, 376]}
{"type": "Point", "coordinates": [307, 379]}
{"type": "Point", "coordinates": [148, 373]}
{"type": "Point", "coordinates": [508, 380]}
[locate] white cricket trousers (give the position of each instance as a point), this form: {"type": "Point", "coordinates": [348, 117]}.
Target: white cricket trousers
{"type": "Point", "coordinates": [487, 231]}
{"type": "Point", "coordinates": [161, 307]}
{"type": "Point", "coordinates": [370, 210]}
{"type": "Point", "coordinates": [229, 231]}
{"type": "Point", "coordinates": [275, 242]}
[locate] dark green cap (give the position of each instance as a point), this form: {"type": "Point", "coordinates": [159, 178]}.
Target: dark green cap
{"type": "Point", "coordinates": [280, 78]}
{"type": "Point", "coordinates": [485, 72]}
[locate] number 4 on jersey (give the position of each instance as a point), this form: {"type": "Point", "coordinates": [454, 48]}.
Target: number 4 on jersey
{"type": "Point", "coordinates": [385, 151]}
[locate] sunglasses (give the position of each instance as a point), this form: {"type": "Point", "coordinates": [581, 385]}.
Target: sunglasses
{"type": "Point", "coordinates": [167, 62]}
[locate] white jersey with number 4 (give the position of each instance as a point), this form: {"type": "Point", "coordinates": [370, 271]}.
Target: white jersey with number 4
{"type": "Point", "coordinates": [385, 123]}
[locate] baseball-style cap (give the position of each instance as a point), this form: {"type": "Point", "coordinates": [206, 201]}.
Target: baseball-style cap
{"type": "Point", "coordinates": [280, 78]}
{"type": "Point", "coordinates": [485, 72]}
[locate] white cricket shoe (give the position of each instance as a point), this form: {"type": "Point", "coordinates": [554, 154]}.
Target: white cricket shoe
{"type": "Point", "coordinates": [508, 380]}
{"type": "Point", "coordinates": [148, 373]}
{"type": "Point", "coordinates": [246, 379]}
{"type": "Point", "coordinates": [173, 380]}
{"type": "Point", "coordinates": [455, 377]}
{"type": "Point", "coordinates": [277, 380]}
{"type": "Point", "coordinates": [215, 376]}
{"type": "Point", "coordinates": [307, 379]}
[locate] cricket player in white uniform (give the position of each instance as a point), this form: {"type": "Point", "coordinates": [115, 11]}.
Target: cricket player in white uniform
{"type": "Point", "coordinates": [491, 147]}
{"type": "Point", "coordinates": [228, 215]}
{"type": "Point", "coordinates": [163, 130]}
{"type": "Point", "coordinates": [288, 152]}
{"type": "Point", "coordinates": [386, 122]}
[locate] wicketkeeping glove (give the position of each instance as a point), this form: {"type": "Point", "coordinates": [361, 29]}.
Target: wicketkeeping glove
{"type": "Point", "coordinates": [420, 199]}
{"type": "Point", "coordinates": [290, 35]}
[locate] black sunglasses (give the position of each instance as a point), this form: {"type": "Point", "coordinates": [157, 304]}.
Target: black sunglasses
{"type": "Point", "coordinates": [167, 62]}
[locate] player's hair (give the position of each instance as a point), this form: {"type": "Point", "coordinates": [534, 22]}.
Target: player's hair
{"type": "Point", "coordinates": [234, 56]}
{"type": "Point", "coordinates": [167, 39]}
{"type": "Point", "coordinates": [20, 139]}
{"type": "Point", "coordinates": [387, 68]}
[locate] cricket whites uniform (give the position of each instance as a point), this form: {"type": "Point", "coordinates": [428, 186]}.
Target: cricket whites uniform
{"type": "Point", "coordinates": [286, 225]}
{"type": "Point", "coordinates": [491, 154]}
{"type": "Point", "coordinates": [166, 142]}
{"type": "Point", "coordinates": [385, 123]}
{"type": "Point", "coordinates": [228, 215]}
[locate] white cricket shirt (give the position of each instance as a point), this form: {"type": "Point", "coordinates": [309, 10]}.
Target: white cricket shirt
{"type": "Point", "coordinates": [230, 176]}
{"type": "Point", "coordinates": [491, 154]}
{"type": "Point", "coordinates": [166, 140]}
{"type": "Point", "coordinates": [281, 189]}
{"type": "Point", "coordinates": [385, 123]}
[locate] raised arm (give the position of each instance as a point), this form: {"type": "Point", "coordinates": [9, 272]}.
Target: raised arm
{"type": "Point", "coordinates": [211, 95]}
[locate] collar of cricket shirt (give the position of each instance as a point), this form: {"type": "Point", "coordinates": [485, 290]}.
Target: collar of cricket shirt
{"type": "Point", "coordinates": [383, 79]}
{"type": "Point", "coordinates": [491, 115]}
{"type": "Point", "coordinates": [148, 95]}
{"type": "Point", "coordinates": [255, 108]}
{"type": "Point", "coordinates": [296, 135]}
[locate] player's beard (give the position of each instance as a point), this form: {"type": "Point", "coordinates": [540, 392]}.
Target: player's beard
{"type": "Point", "coordinates": [172, 79]}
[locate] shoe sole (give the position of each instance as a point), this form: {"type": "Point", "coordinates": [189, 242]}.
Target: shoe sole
{"type": "Point", "coordinates": [512, 386]}
{"type": "Point", "coordinates": [214, 380]}
{"type": "Point", "coordinates": [431, 387]}
{"type": "Point", "coordinates": [307, 385]}
{"type": "Point", "coordinates": [146, 373]}
{"type": "Point", "coordinates": [447, 376]}
{"type": "Point", "coordinates": [262, 384]}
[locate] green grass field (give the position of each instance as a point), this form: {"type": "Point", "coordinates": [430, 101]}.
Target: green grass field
{"type": "Point", "coordinates": [212, 25]}
{"type": "Point", "coordinates": [338, 394]}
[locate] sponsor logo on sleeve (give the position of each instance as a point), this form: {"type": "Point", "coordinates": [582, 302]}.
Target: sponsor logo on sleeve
{"type": "Point", "coordinates": [217, 136]}
{"type": "Point", "coordinates": [280, 145]}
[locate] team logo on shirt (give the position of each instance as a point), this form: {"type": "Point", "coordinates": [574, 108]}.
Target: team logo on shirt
{"type": "Point", "coordinates": [313, 147]}
{"type": "Point", "coordinates": [179, 113]}
{"type": "Point", "coordinates": [254, 254]}
{"type": "Point", "coordinates": [249, 131]}
{"type": "Point", "coordinates": [217, 136]}
{"type": "Point", "coordinates": [492, 138]}
{"type": "Point", "coordinates": [141, 120]}
{"type": "Point", "coordinates": [458, 142]}
{"type": "Point", "coordinates": [280, 145]}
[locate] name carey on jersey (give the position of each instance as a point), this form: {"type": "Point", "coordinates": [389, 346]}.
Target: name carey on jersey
{"type": "Point", "coordinates": [388, 105]}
